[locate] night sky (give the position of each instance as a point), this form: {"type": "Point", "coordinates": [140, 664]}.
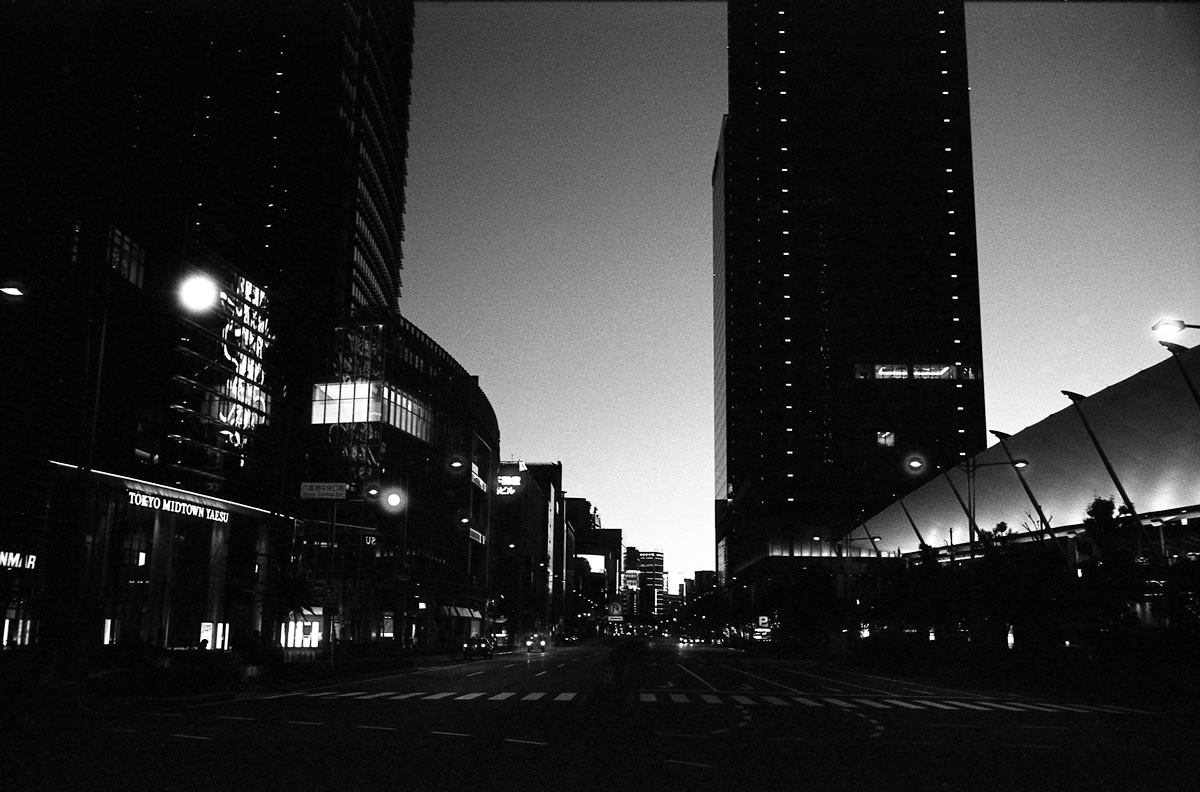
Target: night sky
{"type": "Point", "coordinates": [559, 224]}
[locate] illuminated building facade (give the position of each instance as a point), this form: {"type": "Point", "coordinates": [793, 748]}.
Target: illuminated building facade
{"type": "Point", "coordinates": [404, 550]}
{"type": "Point", "coordinates": [262, 145]}
{"type": "Point", "coordinates": [847, 332]}
{"type": "Point", "coordinates": [530, 522]}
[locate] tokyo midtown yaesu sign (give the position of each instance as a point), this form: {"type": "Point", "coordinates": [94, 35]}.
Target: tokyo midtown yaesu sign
{"type": "Point", "coordinates": [323, 490]}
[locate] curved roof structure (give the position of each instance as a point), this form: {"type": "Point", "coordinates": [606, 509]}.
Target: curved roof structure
{"type": "Point", "coordinates": [1148, 427]}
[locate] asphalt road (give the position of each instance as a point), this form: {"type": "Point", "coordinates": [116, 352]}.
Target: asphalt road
{"type": "Point", "coordinates": [687, 716]}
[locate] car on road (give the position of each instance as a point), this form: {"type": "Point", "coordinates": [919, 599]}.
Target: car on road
{"type": "Point", "coordinates": [535, 643]}
{"type": "Point", "coordinates": [477, 647]}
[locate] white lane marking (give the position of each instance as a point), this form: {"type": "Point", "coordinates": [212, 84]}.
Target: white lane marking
{"type": "Point", "coordinates": [450, 734]}
{"type": "Point", "coordinates": [541, 673]}
{"type": "Point", "coordinates": [679, 698]}
{"type": "Point", "coordinates": [806, 701]}
{"type": "Point", "coordinates": [688, 764]}
{"type": "Point", "coordinates": [477, 673]}
{"type": "Point", "coordinates": [306, 723]}
{"type": "Point", "coordinates": [1032, 706]}
{"type": "Point", "coordinates": [775, 700]}
{"type": "Point", "coordinates": [322, 694]}
{"type": "Point", "coordinates": [744, 700]}
{"type": "Point", "coordinates": [702, 681]}
{"type": "Point", "coordinates": [842, 704]}
{"type": "Point", "coordinates": [710, 699]}
{"type": "Point", "coordinates": [502, 696]}
{"type": "Point", "coordinates": [525, 742]}
{"type": "Point", "coordinates": [764, 679]}
{"type": "Point", "coordinates": [376, 695]}
{"type": "Point", "coordinates": [469, 696]}
{"type": "Point", "coordinates": [902, 703]}
{"type": "Point", "coordinates": [376, 728]}
{"type": "Point", "coordinates": [438, 696]}
{"type": "Point", "coordinates": [871, 703]}
{"type": "Point", "coordinates": [937, 704]}
{"type": "Point", "coordinates": [532, 697]}
{"type": "Point", "coordinates": [564, 697]}
{"type": "Point", "coordinates": [1064, 707]}
{"type": "Point", "coordinates": [190, 737]}
{"type": "Point", "coordinates": [835, 681]}
{"type": "Point", "coordinates": [279, 696]}
{"type": "Point", "coordinates": [649, 697]}
{"type": "Point", "coordinates": [407, 695]}
{"type": "Point", "coordinates": [235, 717]}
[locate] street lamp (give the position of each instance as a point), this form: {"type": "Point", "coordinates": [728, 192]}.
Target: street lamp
{"type": "Point", "coordinates": [1169, 328]}
{"type": "Point", "coordinates": [199, 293]}
{"type": "Point", "coordinates": [970, 466]}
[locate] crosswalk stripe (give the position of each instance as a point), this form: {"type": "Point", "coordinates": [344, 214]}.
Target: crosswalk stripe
{"type": "Point", "coordinates": [744, 700]}
{"type": "Point", "coordinates": [532, 697]}
{"type": "Point", "coordinates": [903, 703]}
{"type": "Point", "coordinates": [710, 698]}
{"type": "Point", "coordinates": [322, 694]}
{"type": "Point", "coordinates": [968, 705]}
{"type": "Point", "coordinates": [872, 703]}
{"type": "Point", "coordinates": [937, 704]}
{"type": "Point", "coordinates": [1031, 706]}
{"type": "Point", "coordinates": [564, 697]}
{"type": "Point", "coordinates": [469, 696]}
{"type": "Point", "coordinates": [679, 698]}
{"type": "Point", "coordinates": [1064, 707]}
{"type": "Point", "coordinates": [1005, 706]}
{"type": "Point", "coordinates": [840, 703]}
{"type": "Point", "coordinates": [438, 696]}
{"type": "Point", "coordinates": [775, 700]}
{"type": "Point", "coordinates": [805, 701]}
{"type": "Point", "coordinates": [407, 695]}
{"type": "Point", "coordinates": [501, 696]}
{"type": "Point", "coordinates": [351, 694]}
{"type": "Point", "coordinates": [376, 695]}
{"type": "Point", "coordinates": [649, 697]}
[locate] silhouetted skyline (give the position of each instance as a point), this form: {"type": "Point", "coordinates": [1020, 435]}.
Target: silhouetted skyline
{"type": "Point", "coordinates": [559, 226]}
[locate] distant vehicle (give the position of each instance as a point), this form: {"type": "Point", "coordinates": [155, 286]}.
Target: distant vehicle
{"type": "Point", "coordinates": [535, 643]}
{"type": "Point", "coordinates": [477, 647]}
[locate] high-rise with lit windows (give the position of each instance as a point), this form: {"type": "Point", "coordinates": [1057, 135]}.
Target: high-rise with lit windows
{"type": "Point", "coordinates": [846, 294]}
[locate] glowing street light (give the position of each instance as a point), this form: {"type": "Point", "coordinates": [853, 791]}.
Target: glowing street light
{"type": "Point", "coordinates": [199, 293]}
{"type": "Point", "coordinates": [1169, 328]}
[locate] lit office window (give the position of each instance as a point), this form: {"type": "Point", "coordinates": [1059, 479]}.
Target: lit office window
{"type": "Point", "coordinates": [890, 371]}
{"type": "Point", "coordinates": [933, 371]}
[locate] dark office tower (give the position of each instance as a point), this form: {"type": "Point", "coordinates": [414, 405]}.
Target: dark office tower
{"type": "Point", "coordinates": [847, 334]}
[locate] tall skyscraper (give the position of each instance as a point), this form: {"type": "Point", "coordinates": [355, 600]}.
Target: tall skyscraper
{"type": "Point", "coordinates": [847, 334]}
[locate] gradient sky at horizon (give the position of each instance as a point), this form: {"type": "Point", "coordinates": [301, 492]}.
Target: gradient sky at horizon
{"type": "Point", "coordinates": [559, 223]}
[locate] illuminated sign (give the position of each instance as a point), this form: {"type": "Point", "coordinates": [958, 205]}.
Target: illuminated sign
{"type": "Point", "coordinates": [507, 485]}
{"type": "Point", "coordinates": [17, 560]}
{"type": "Point", "coordinates": [244, 341]}
{"type": "Point", "coordinates": [173, 506]}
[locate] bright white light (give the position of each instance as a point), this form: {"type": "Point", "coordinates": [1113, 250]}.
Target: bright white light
{"type": "Point", "coordinates": [198, 293]}
{"type": "Point", "coordinates": [1168, 328]}
{"type": "Point", "coordinates": [393, 499]}
{"type": "Point", "coordinates": [12, 291]}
